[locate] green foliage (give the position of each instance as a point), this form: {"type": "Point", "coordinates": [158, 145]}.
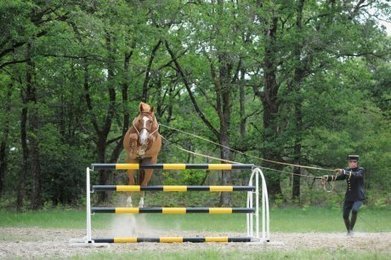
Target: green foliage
{"type": "Point", "coordinates": [95, 60]}
{"type": "Point", "coordinates": [186, 177]}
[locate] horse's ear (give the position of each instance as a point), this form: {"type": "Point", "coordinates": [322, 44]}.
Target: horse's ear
{"type": "Point", "coordinates": [141, 107]}
{"type": "Point", "coordinates": [152, 109]}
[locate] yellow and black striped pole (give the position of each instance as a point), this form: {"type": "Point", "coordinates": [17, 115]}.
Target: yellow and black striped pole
{"type": "Point", "coordinates": [171, 188]}
{"type": "Point", "coordinates": [164, 210]}
{"type": "Point", "coordinates": [170, 166]}
{"type": "Point", "coordinates": [172, 239]}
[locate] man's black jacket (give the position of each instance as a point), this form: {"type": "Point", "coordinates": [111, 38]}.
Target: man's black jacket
{"type": "Point", "coordinates": [355, 183]}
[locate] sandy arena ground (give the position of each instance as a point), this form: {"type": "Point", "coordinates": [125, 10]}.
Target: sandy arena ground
{"type": "Point", "coordinates": [54, 243]}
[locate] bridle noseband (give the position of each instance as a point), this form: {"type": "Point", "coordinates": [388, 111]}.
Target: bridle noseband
{"type": "Point", "coordinates": [150, 133]}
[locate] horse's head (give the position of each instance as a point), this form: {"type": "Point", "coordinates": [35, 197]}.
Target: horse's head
{"type": "Point", "coordinates": [145, 123]}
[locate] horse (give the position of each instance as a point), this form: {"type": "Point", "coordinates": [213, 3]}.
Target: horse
{"type": "Point", "coordinates": [142, 143]}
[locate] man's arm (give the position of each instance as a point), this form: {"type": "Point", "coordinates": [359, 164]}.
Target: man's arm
{"type": "Point", "coordinates": [358, 174]}
{"type": "Point", "coordinates": [339, 175]}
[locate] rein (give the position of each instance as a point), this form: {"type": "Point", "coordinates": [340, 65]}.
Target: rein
{"type": "Point", "coordinates": [328, 186]}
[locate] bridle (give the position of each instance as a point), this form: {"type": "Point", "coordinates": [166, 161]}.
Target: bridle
{"type": "Point", "coordinates": [143, 127]}
{"type": "Point", "coordinates": [145, 146]}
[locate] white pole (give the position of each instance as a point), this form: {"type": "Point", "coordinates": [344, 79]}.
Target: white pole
{"type": "Point", "coordinates": [249, 205]}
{"type": "Point", "coordinates": [248, 214]}
{"type": "Point", "coordinates": [265, 206]}
{"type": "Point", "coordinates": [252, 205]}
{"type": "Point", "coordinates": [88, 207]}
{"type": "Point", "coordinates": [257, 204]}
{"type": "Point", "coordinates": [263, 211]}
{"type": "Point", "coordinates": [267, 212]}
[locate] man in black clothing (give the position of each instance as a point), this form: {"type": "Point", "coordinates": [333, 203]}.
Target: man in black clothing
{"type": "Point", "coordinates": [354, 196]}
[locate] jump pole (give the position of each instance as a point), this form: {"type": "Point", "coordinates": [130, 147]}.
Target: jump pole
{"type": "Point", "coordinates": [171, 166]}
{"type": "Point", "coordinates": [171, 188]}
{"type": "Point", "coordinates": [172, 239]}
{"type": "Point", "coordinates": [166, 210]}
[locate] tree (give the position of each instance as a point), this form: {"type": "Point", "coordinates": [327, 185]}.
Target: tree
{"type": "Point", "coordinates": [212, 45]}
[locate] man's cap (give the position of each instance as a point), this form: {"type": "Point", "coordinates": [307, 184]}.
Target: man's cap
{"type": "Point", "coordinates": [353, 157]}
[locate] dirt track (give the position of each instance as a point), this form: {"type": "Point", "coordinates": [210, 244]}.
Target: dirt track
{"type": "Point", "coordinates": [49, 243]}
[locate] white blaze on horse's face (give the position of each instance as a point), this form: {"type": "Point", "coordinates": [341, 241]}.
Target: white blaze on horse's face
{"type": "Point", "coordinates": [144, 134]}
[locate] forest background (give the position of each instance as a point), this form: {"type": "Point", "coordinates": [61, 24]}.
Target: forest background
{"type": "Point", "coordinates": [298, 82]}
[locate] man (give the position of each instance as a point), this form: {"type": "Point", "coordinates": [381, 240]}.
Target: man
{"type": "Point", "coordinates": [354, 196]}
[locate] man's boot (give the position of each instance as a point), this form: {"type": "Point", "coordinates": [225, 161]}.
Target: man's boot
{"type": "Point", "coordinates": [353, 221]}
{"type": "Point", "coordinates": [347, 225]}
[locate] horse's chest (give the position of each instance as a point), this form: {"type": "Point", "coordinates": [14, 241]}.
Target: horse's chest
{"type": "Point", "coordinates": [137, 150]}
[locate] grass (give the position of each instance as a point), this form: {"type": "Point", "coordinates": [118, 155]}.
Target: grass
{"type": "Point", "coordinates": [310, 219]}
{"type": "Point", "coordinates": [282, 220]}
{"type": "Point", "coordinates": [51, 218]}
{"type": "Point", "coordinates": [238, 254]}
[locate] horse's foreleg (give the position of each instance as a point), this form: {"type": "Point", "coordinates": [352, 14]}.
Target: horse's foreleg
{"type": "Point", "coordinates": [130, 182]}
{"type": "Point", "coordinates": [145, 181]}
{"type": "Point", "coordinates": [141, 202]}
{"type": "Point", "coordinates": [147, 177]}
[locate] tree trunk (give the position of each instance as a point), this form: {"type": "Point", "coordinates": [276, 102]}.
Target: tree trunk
{"type": "Point", "coordinates": [105, 177]}
{"type": "Point", "coordinates": [23, 173]}
{"type": "Point", "coordinates": [299, 74]}
{"type": "Point", "coordinates": [126, 115]}
{"type": "Point", "coordinates": [297, 152]}
{"type": "Point", "coordinates": [33, 118]}
{"type": "Point", "coordinates": [103, 174]}
{"type": "Point", "coordinates": [3, 157]}
{"type": "Point", "coordinates": [225, 199]}
{"type": "Point", "coordinates": [242, 107]}
{"type": "Point", "coordinates": [269, 99]}
{"type": "Point", "coordinates": [4, 139]}
{"type": "Point", "coordinates": [144, 95]}
{"type": "Point", "coordinates": [223, 90]}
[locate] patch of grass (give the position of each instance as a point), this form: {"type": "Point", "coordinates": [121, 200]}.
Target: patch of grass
{"type": "Point", "coordinates": [282, 220]}
{"type": "Point", "coordinates": [241, 254]}
{"type": "Point", "coordinates": [51, 218]}
{"type": "Point", "coordinates": [327, 220]}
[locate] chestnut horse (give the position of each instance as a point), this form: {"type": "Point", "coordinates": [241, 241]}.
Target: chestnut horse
{"type": "Point", "coordinates": [142, 143]}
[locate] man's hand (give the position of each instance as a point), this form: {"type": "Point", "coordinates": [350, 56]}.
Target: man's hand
{"type": "Point", "coordinates": [341, 171]}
